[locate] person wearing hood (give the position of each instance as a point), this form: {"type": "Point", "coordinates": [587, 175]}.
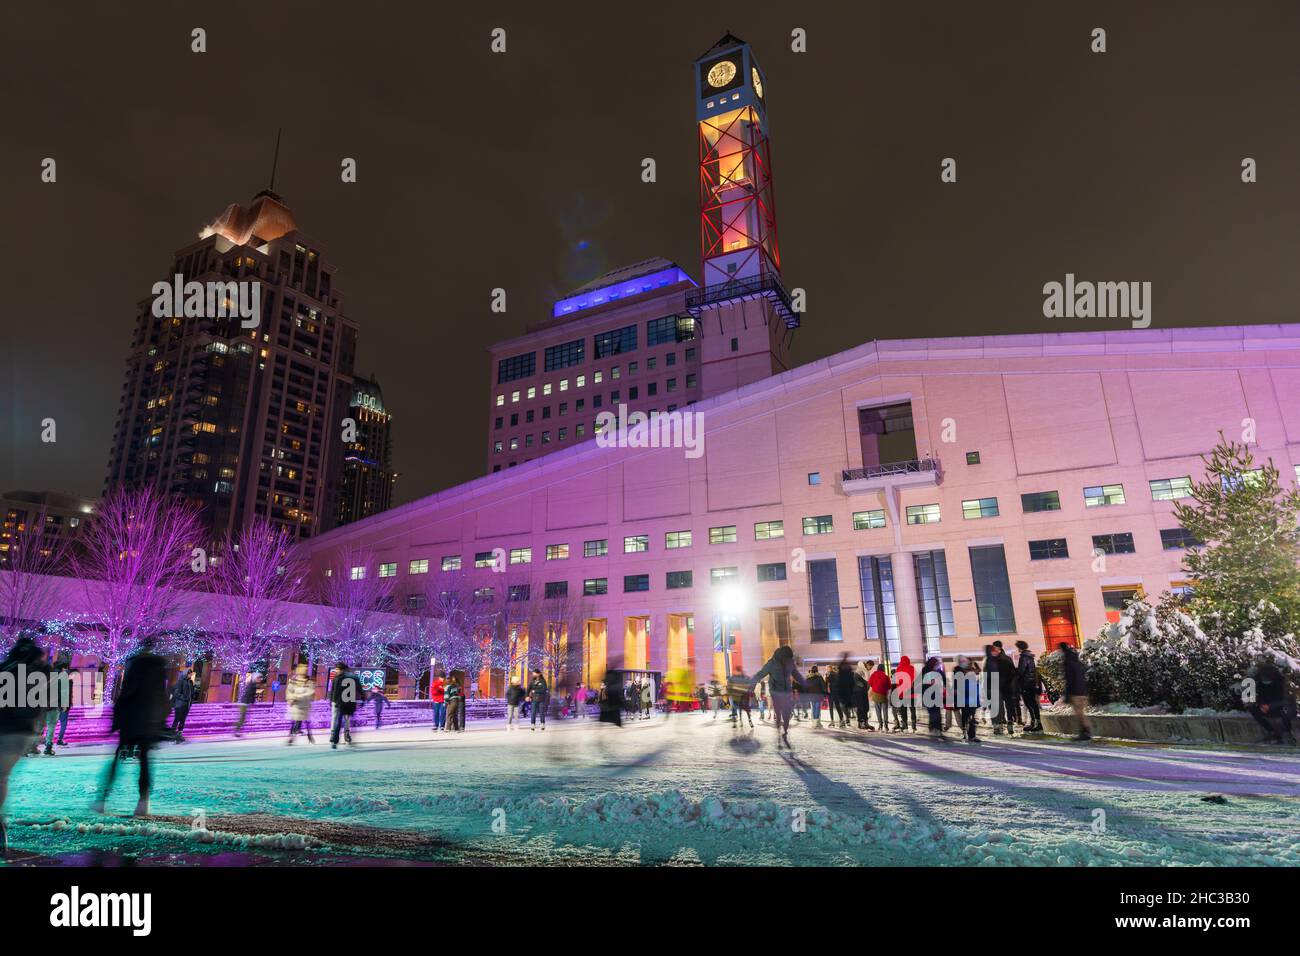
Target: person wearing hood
{"type": "Point", "coordinates": [139, 714]}
{"type": "Point", "coordinates": [1076, 688]}
{"type": "Point", "coordinates": [345, 695]}
{"type": "Point", "coordinates": [299, 695]}
{"type": "Point", "coordinates": [965, 688]}
{"type": "Point", "coordinates": [1273, 699]}
{"type": "Point", "coordinates": [878, 684]}
{"type": "Point", "coordinates": [904, 699]}
{"type": "Point", "coordinates": [182, 700]}
{"type": "Point", "coordinates": [514, 699]}
{"type": "Point", "coordinates": [1001, 676]}
{"type": "Point", "coordinates": [18, 725]}
{"type": "Point", "coordinates": [850, 693]}
{"type": "Point", "coordinates": [783, 679]}
{"type": "Point", "coordinates": [815, 690]}
{"type": "Point", "coordinates": [932, 690]}
{"type": "Point", "coordinates": [1028, 681]}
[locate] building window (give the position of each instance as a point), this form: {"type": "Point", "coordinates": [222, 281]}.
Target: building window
{"type": "Point", "coordinates": [594, 586]}
{"type": "Point", "coordinates": [418, 566]}
{"type": "Point", "coordinates": [514, 396]}
{"type": "Point", "coordinates": [814, 477]}
{"type": "Point", "coordinates": [1170, 489]}
{"type": "Point", "coordinates": [616, 341]}
{"type": "Point", "coordinates": [723, 575]}
{"type": "Point", "coordinates": [724, 534]}
{"type": "Point", "coordinates": [636, 582]}
{"type": "Point", "coordinates": [669, 329]}
{"type": "Point", "coordinates": [1116, 601]}
{"type": "Point", "coordinates": [521, 555]}
{"type": "Point", "coordinates": [496, 448]}
{"type": "Point", "coordinates": [824, 601]}
{"type": "Point", "coordinates": [1047, 549]}
{"type": "Point", "coordinates": [635, 543]}
{"type": "Point", "coordinates": [557, 589]}
{"type": "Point", "coordinates": [596, 548]}
{"type": "Point", "coordinates": [988, 566]}
{"type": "Point", "coordinates": [690, 379]}
{"type": "Point", "coordinates": [1119, 543]}
{"type": "Point", "coordinates": [972, 458]}
{"type": "Point", "coordinates": [416, 602]}
{"type": "Point", "coordinates": [768, 530]}
{"type": "Point", "coordinates": [1100, 495]}
{"type": "Point", "coordinates": [597, 377]}
{"type": "Point", "coordinates": [546, 390]}
{"type": "Point", "coordinates": [501, 399]}
{"type": "Point", "coordinates": [518, 592]}
{"type": "Point", "coordinates": [771, 572]}
{"type": "Point", "coordinates": [876, 578]}
{"type": "Point", "coordinates": [933, 597]}
{"type": "Point", "coordinates": [1233, 482]}
{"type": "Point", "coordinates": [679, 579]}
{"type": "Point", "coordinates": [557, 552]}
{"type": "Point", "coordinates": [483, 559]}
{"type": "Point", "coordinates": [677, 539]}
{"type": "Point", "coordinates": [979, 508]}
{"type": "Point", "coordinates": [922, 514]}
{"type": "Point", "coordinates": [1175, 539]}
{"type": "Point", "coordinates": [388, 569]}
{"type": "Point", "coordinates": [451, 562]}
{"type": "Point", "coordinates": [500, 421]}
{"type": "Point", "coordinates": [483, 595]}
{"type": "Point", "coordinates": [1037, 501]}
{"type": "Point", "coordinates": [818, 524]}
{"type": "Point", "coordinates": [866, 520]}
{"type": "Point", "coordinates": [359, 572]}
{"type": "Point", "coordinates": [562, 356]}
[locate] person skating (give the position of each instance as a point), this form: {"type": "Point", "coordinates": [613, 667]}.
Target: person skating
{"type": "Point", "coordinates": [455, 704]}
{"type": "Point", "coordinates": [1273, 699]}
{"type": "Point", "coordinates": [515, 694]}
{"type": "Point", "coordinates": [965, 688]}
{"type": "Point", "coordinates": [438, 701]}
{"type": "Point", "coordinates": [60, 699]}
{"type": "Point", "coordinates": [1028, 681]}
{"type": "Point", "coordinates": [182, 699]}
{"type": "Point", "coordinates": [18, 725]}
{"type": "Point", "coordinates": [741, 690]}
{"type": "Point", "coordinates": [378, 701]}
{"type": "Point", "coordinates": [648, 698]}
{"type": "Point", "coordinates": [816, 690]}
{"type": "Point", "coordinates": [783, 679]}
{"type": "Point", "coordinates": [611, 699]}
{"type": "Point", "coordinates": [247, 697]}
{"type": "Point", "coordinates": [580, 700]}
{"type": "Point", "coordinates": [344, 696]}
{"type": "Point", "coordinates": [715, 697]}
{"type": "Point", "coordinates": [539, 696]}
{"type": "Point", "coordinates": [139, 715]}
{"type": "Point", "coordinates": [299, 695]}
{"type": "Point", "coordinates": [1076, 689]}
{"type": "Point", "coordinates": [878, 687]}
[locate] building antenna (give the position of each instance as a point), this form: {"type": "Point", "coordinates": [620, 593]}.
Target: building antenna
{"type": "Point", "coordinates": [275, 161]}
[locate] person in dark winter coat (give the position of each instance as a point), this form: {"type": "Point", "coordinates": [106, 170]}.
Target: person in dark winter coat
{"type": "Point", "coordinates": [344, 696]}
{"type": "Point", "coordinates": [740, 691]}
{"type": "Point", "coordinates": [1076, 689]}
{"type": "Point", "coordinates": [18, 725]}
{"type": "Point", "coordinates": [1273, 699]}
{"type": "Point", "coordinates": [455, 696]}
{"type": "Point", "coordinates": [55, 721]}
{"type": "Point", "coordinates": [611, 699]}
{"type": "Point", "coordinates": [1000, 675]}
{"type": "Point", "coordinates": [931, 689]}
{"type": "Point", "coordinates": [965, 690]}
{"type": "Point", "coordinates": [847, 694]}
{"type": "Point", "coordinates": [379, 702]}
{"type": "Point", "coordinates": [783, 679]}
{"type": "Point", "coordinates": [515, 694]}
{"type": "Point", "coordinates": [247, 697]}
{"type": "Point", "coordinates": [182, 700]}
{"type": "Point", "coordinates": [815, 689]}
{"type": "Point", "coordinates": [139, 715]}
{"type": "Point", "coordinates": [1028, 681]}
{"type": "Point", "coordinates": [539, 695]}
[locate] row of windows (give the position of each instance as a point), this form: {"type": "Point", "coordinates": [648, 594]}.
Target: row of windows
{"type": "Point", "coordinates": [1171, 539]}
{"type": "Point", "coordinates": [1162, 489]}
{"type": "Point", "coordinates": [517, 366]}
{"type": "Point", "coordinates": [564, 359]}
{"type": "Point", "coordinates": [597, 377]}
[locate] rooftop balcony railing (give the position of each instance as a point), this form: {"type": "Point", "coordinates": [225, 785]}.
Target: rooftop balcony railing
{"type": "Point", "coordinates": [918, 471]}
{"type": "Point", "coordinates": [767, 286]}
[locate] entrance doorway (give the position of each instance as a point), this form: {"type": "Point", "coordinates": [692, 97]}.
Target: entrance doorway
{"type": "Point", "coordinates": [593, 651]}
{"type": "Point", "coordinates": [1060, 621]}
{"type": "Point", "coordinates": [636, 643]}
{"type": "Point", "coordinates": [773, 631]}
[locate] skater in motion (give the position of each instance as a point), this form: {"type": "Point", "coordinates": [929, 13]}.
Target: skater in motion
{"type": "Point", "coordinates": [1273, 699]}
{"type": "Point", "coordinates": [17, 724]}
{"type": "Point", "coordinates": [300, 693]}
{"type": "Point", "coordinates": [740, 689]}
{"type": "Point", "coordinates": [539, 697]}
{"type": "Point", "coordinates": [138, 717]}
{"type": "Point", "coordinates": [1076, 689]}
{"type": "Point", "coordinates": [783, 680]}
{"type": "Point", "coordinates": [344, 696]}
{"type": "Point", "coordinates": [182, 701]}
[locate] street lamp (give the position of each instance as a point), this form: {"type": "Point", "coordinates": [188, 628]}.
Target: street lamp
{"type": "Point", "coordinates": [728, 603]}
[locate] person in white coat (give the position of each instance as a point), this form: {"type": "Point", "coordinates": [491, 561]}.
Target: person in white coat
{"type": "Point", "coordinates": [300, 693]}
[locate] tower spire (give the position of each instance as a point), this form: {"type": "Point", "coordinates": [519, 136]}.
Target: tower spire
{"type": "Point", "coordinates": [275, 160]}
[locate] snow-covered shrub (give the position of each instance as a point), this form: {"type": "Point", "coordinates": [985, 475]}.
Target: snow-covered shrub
{"type": "Point", "coordinates": [1164, 655]}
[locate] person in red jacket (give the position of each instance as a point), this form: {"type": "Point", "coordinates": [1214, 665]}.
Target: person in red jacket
{"type": "Point", "coordinates": [903, 701]}
{"type": "Point", "coordinates": [438, 696]}
{"type": "Point", "coordinates": [879, 685]}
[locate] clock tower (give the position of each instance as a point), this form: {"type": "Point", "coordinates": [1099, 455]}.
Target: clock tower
{"type": "Point", "coordinates": [744, 314]}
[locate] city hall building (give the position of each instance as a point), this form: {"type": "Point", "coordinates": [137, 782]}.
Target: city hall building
{"type": "Point", "coordinates": [909, 497]}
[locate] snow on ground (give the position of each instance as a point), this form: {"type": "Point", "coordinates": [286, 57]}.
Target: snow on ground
{"type": "Point", "coordinates": [686, 790]}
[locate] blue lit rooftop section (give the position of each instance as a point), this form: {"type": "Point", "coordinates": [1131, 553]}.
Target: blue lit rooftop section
{"type": "Point", "coordinates": [622, 284]}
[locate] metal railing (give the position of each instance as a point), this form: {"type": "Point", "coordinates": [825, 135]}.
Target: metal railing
{"type": "Point", "coordinates": [916, 466]}
{"type": "Point", "coordinates": [766, 285]}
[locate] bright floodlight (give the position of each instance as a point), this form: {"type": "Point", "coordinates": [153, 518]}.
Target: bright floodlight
{"type": "Point", "coordinates": [730, 601]}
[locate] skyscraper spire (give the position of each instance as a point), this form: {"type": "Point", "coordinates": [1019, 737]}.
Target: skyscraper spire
{"type": "Point", "coordinates": [275, 161]}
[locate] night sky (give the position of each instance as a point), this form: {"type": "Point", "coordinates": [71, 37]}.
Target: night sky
{"type": "Point", "coordinates": [522, 171]}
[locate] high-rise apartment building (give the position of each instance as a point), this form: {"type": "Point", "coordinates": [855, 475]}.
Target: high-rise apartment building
{"type": "Point", "coordinates": [367, 478]}
{"type": "Point", "coordinates": [242, 420]}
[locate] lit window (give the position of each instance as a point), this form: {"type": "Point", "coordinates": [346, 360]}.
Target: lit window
{"type": "Point", "coordinates": [532, 391]}
{"type": "Point", "coordinates": [419, 566]}
{"type": "Point", "coordinates": [557, 552]}
{"type": "Point", "coordinates": [451, 562]}
{"type": "Point", "coordinates": [979, 508]}
{"type": "Point", "coordinates": [1101, 495]}
{"type": "Point", "coordinates": [723, 575]}
{"type": "Point", "coordinates": [564, 384]}
{"type": "Point", "coordinates": [818, 524]}
{"type": "Point", "coordinates": [359, 573]}
{"type": "Point", "coordinates": [865, 520]}
{"type": "Point", "coordinates": [767, 530]}
{"type": "Point", "coordinates": [814, 477]}
{"type": "Point", "coordinates": [546, 388]}
{"type": "Point", "coordinates": [922, 514]}
{"type": "Point", "coordinates": [724, 534]}
{"type": "Point", "coordinates": [677, 539]}
{"type": "Point", "coordinates": [596, 548]}
{"type": "Point", "coordinates": [597, 377]}
{"type": "Point", "coordinates": [634, 543]}
{"type": "Point", "coordinates": [388, 569]}
{"type": "Point", "coordinates": [1169, 489]}
{"type": "Point", "coordinates": [521, 555]}
{"type": "Point", "coordinates": [580, 381]}
{"type": "Point", "coordinates": [514, 396]}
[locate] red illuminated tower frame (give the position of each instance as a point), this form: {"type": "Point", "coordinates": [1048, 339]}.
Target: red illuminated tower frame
{"type": "Point", "coordinates": [737, 207]}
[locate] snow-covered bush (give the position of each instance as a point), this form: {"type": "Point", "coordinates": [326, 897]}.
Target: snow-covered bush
{"type": "Point", "coordinates": [1164, 655]}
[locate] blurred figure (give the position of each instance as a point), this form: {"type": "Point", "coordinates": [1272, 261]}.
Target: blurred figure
{"type": "Point", "coordinates": [344, 695]}
{"type": "Point", "coordinates": [514, 697]}
{"type": "Point", "coordinates": [816, 685]}
{"type": "Point", "coordinates": [1076, 689]}
{"type": "Point", "coordinates": [138, 717]}
{"type": "Point", "coordinates": [849, 694]}
{"type": "Point", "coordinates": [438, 701]}
{"type": "Point", "coordinates": [580, 700]}
{"type": "Point", "coordinates": [784, 679]}
{"type": "Point", "coordinates": [539, 696]}
{"type": "Point", "coordinates": [299, 694]}
{"type": "Point", "coordinates": [740, 689]}
{"type": "Point", "coordinates": [55, 720]}
{"type": "Point", "coordinates": [378, 701]}
{"type": "Point", "coordinates": [182, 700]}
{"type": "Point", "coordinates": [247, 697]}
{"type": "Point", "coordinates": [1028, 681]}
{"type": "Point", "coordinates": [715, 697]}
{"type": "Point", "coordinates": [17, 724]}
{"type": "Point", "coordinates": [1272, 699]}
{"type": "Point", "coordinates": [647, 697]}
{"type": "Point", "coordinates": [455, 704]}
{"type": "Point", "coordinates": [611, 699]}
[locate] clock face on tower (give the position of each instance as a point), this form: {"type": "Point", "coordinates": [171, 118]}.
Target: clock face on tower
{"type": "Point", "coordinates": [758, 81]}
{"type": "Point", "coordinates": [721, 73]}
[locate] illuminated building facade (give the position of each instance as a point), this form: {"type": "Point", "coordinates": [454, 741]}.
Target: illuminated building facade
{"type": "Point", "coordinates": [243, 421]}
{"type": "Point", "coordinates": [64, 518]}
{"type": "Point", "coordinates": [367, 477]}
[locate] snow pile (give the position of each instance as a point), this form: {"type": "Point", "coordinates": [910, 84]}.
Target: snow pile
{"type": "Point", "coordinates": [142, 828]}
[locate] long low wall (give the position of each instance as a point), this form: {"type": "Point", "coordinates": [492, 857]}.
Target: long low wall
{"type": "Point", "coordinates": [1169, 728]}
